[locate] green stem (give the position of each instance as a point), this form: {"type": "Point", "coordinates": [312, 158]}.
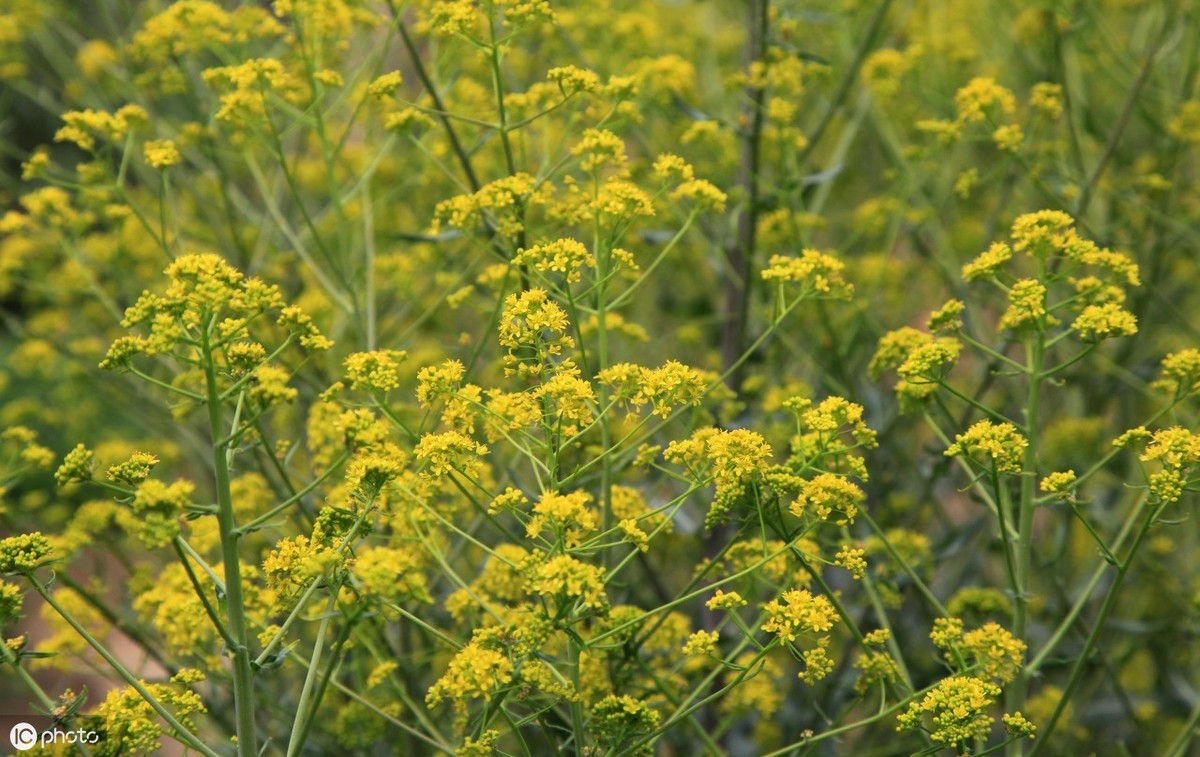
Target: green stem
{"type": "Point", "coordinates": [1035, 351]}
{"type": "Point", "coordinates": [1110, 601]}
{"type": "Point", "coordinates": [300, 723]}
{"type": "Point", "coordinates": [32, 685]}
{"type": "Point", "coordinates": [243, 674]}
{"type": "Point", "coordinates": [183, 734]}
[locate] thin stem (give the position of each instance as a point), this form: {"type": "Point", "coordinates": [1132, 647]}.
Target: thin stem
{"type": "Point", "coordinates": [300, 723]}
{"type": "Point", "coordinates": [180, 732]}
{"type": "Point", "coordinates": [1110, 601]}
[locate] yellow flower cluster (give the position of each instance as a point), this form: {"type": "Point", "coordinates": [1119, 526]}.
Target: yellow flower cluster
{"type": "Point", "coordinates": [665, 388]}
{"type": "Point", "coordinates": [498, 205]}
{"type": "Point", "coordinates": [569, 515]}
{"type": "Point", "coordinates": [377, 371]}
{"type": "Point", "coordinates": [919, 359]}
{"type": "Point", "coordinates": [798, 612]}
{"type": "Point", "coordinates": [131, 724]}
{"type": "Point", "coordinates": [1185, 126]}
{"type": "Point", "coordinates": [958, 710]}
{"type": "Point", "coordinates": [568, 581]}
{"type": "Point", "coordinates": [85, 127]}
{"type": "Point", "coordinates": [566, 257]}
{"type": "Point", "coordinates": [827, 493]}
{"type": "Point", "coordinates": [161, 153]}
{"type": "Point", "coordinates": [1180, 373]}
{"type": "Point", "coordinates": [474, 673]}
{"type": "Point", "coordinates": [534, 330]}
{"type": "Point", "coordinates": [390, 574]}
{"type": "Point", "coordinates": [1026, 305]}
{"type": "Point", "coordinates": [1177, 451]}
{"type": "Point", "coordinates": [449, 451]}
{"type": "Point", "coordinates": [997, 446]}
{"type": "Point", "coordinates": [989, 652]}
{"type": "Point", "coordinates": [24, 553]}
{"type": "Point", "coordinates": [818, 274]}
{"type": "Point", "coordinates": [249, 86]}
{"type": "Point", "coordinates": [206, 303]}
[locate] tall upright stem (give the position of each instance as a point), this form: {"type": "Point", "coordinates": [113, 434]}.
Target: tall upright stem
{"type": "Point", "coordinates": [243, 674]}
{"type": "Point", "coordinates": [1035, 357]}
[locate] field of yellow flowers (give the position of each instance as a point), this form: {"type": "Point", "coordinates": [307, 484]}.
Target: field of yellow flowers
{"type": "Point", "coordinates": [600, 377]}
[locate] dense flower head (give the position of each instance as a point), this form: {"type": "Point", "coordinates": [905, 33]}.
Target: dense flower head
{"type": "Point", "coordinates": [497, 204]}
{"type": "Point", "coordinates": [566, 577]}
{"type": "Point", "coordinates": [24, 552]}
{"type": "Point", "coordinates": [132, 726]}
{"type": "Point", "coordinates": [391, 574]}
{"type": "Point", "coordinates": [617, 718]}
{"type": "Point", "coordinates": [798, 612]}
{"type": "Point", "coordinates": [920, 360]}
{"type": "Point", "coordinates": [998, 446]}
{"type": "Point", "coordinates": [566, 257]}
{"type": "Point", "coordinates": [206, 300]}
{"type": "Point", "coordinates": [568, 514]}
{"type": "Point", "coordinates": [449, 451]}
{"type": "Point", "coordinates": [155, 510]}
{"type": "Point", "coordinates": [1026, 305]}
{"type": "Point", "coordinates": [817, 273]}
{"type": "Point", "coordinates": [702, 644]}
{"type": "Point", "coordinates": [1098, 322]}
{"type": "Point", "coordinates": [599, 147]}
{"type": "Point", "coordinates": [958, 710]}
{"type": "Point", "coordinates": [723, 600]}
{"type": "Point", "coordinates": [829, 493]}
{"type": "Point", "coordinates": [369, 472]}
{"type": "Point", "coordinates": [76, 466]}
{"type": "Point", "coordinates": [665, 388]}
{"type": "Point", "coordinates": [85, 127]}
{"type": "Point", "coordinates": [983, 98]}
{"type": "Point", "coordinates": [134, 470]}
{"type": "Point", "coordinates": [1177, 452]}
{"type": "Point", "coordinates": [248, 87]}
{"type": "Point", "coordinates": [1180, 373]}
{"type": "Point", "coordinates": [11, 600]}
{"type": "Point", "coordinates": [946, 319]}
{"type": "Point", "coordinates": [989, 652]}
{"type": "Point", "coordinates": [532, 322]}
{"type": "Point", "coordinates": [988, 262]}
{"type": "Point", "coordinates": [833, 416]}
{"type": "Point", "coordinates": [377, 371]}
{"type": "Point", "coordinates": [475, 673]}
{"type": "Point", "coordinates": [853, 560]}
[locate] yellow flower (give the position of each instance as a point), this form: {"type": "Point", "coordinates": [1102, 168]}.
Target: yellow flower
{"type": "Point", "coordinates": [568, 514]}
{"type": "Point", "coordinates": [161, 153]}
{"type": "Point", "coordinates": [959, 709]}
{"type": "Point", "coordinates": [377, 371]}
{"type": "Point", "coordinates": [983, 97]}
{"type": "Point", "coordinates": [999, 444]}
{"type": "Point", "coordinates": [24, 552]}
{"type": "Point", "coordinates": [817, 273]}
{"type": "Point", "coordinates": [798, 612]}
{"type": "Point", "coordinates": [448, 451]}
{"type": "Point", "coordinates": [702, 644]}
{"type": "Point", "coordinates": [564, 576]}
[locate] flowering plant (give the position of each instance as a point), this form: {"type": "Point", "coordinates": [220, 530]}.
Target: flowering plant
{"type": "Point", "coordinates": [519, 377]}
